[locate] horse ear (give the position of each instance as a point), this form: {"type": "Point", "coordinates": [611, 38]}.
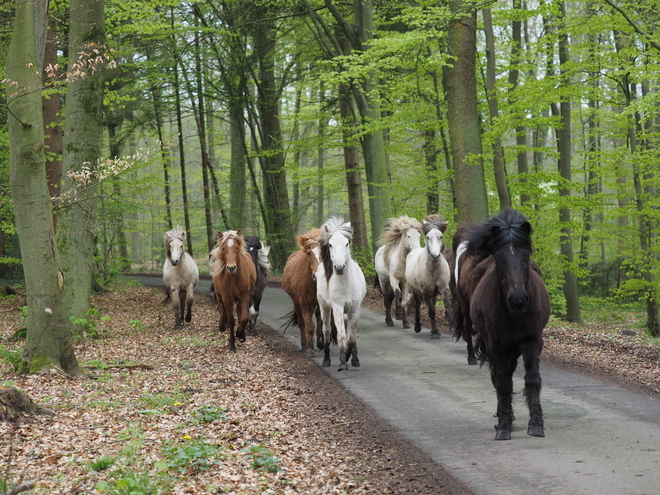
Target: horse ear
{"type": "Point", "coordinates": [220, 234]}
{"type": "Point", "coordinates": [526, 227]}
{"type": "Point", "coordinates": [239, 232]}
{"type": "Point", "coordinates": [443, 227]}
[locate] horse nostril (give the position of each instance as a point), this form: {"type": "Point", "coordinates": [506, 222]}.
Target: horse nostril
{"type": "Point", "coordinates": [518, 303]}
{"type": "Point", "coordinates": [175, 262]}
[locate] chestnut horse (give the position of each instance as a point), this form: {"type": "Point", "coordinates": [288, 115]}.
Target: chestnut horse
{"type": "Point", "coordinates": [233, 277]}
{"type": "Point", "coordinates": [509, 306]}
{"type": "Point", "coordinates": [180, 275]}
{"type": "Point", "coordinates": [299, 281]}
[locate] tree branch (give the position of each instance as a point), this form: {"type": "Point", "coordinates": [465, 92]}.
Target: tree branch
{"type": "Point", "coordinates": [634, 25]}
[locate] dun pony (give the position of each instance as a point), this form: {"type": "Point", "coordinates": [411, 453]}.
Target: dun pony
{"type": "Point", "coordinates": [341, 288]}
{"type": "Point", "coordinates": [400, 236]}
{"type": "Point", "coordinates": [427, 273]}
{"type": "Point", "coordinates": [180, 275]}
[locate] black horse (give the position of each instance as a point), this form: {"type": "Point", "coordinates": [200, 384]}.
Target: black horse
{"type": "Point", "coordinates": [509, 306]}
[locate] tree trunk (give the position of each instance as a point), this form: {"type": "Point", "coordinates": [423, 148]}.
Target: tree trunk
{"type": "Point", "coordinates": [276, 196]}
{"type": "Point", "coordinates": [82, 128]}
{"type": "Point", "coordinates": [564, 148]}
{"type": "Point", "coordinates": [493, 107]}
{"type": "Point", "coordinates": [48, 329]}
{"type": "Point", "coordinates": [460, 83]}
{"type": "Point", "coordinates": [320, 155]}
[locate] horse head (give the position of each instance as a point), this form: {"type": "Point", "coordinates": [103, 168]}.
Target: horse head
{"type": "Point", "coordinates": [434, 227]}
{"type": "Point", "coordinates": [174, 245]}
{"type": "Point", "coordinates": [335, 250]}
{"type": "Point", "coordinates": [226, 252]}
{"type": "Point", "coordinates": [507, 237]}
{"type": "Point", "coordinates": [309, 243]}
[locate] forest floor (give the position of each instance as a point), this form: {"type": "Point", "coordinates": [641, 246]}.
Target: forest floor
{"type": "Point", "coordinates": [159, 410]}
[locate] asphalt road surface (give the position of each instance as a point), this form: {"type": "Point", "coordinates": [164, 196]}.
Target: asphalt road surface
{"type": "Point", "coordinates": [600, 439]}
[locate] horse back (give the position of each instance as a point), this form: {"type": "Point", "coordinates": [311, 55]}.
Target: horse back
{"type": "Point", "coordinates": [297, 280]}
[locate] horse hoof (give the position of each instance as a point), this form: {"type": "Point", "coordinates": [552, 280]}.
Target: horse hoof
{"type": "Point", "coordinates": [418, 328]}
{"type": "Point", "coordinates": [389, 323]}
{"type": "Point", "coordinates": [342, 367]}
{"type": "Point", "coordinates": [326, 363]}
{"type": "Point", "coordinates": [535, 431]}
{"type": "Point", "coordinates": [472, 361]}
{"type": "Point", "coordinates": [309, 353]}
{"type": "Point", "coordinates": [406, 325]}
{"type": "Point", "coordinates": [178, 327]}
{"type": "Point", "coordinates": [355, 362]}
{"type": "Point", "coordinates": [503, 435]}
{"type": "Point", "coordinates": [435, 335]}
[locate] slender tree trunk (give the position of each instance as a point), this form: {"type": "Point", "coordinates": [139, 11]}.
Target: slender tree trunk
{"type": "Point", "coordinates": [279, 227]}
{"type": "Point", "coordinates": [493, 107]}
{"type": "Point", "coordinates": [48, 329]}
{"type": "Point", "coordinates": [564, 148]}
{"type": "Point", "coordinates": [52, 106]}
{"type": "Point", "coordinates": [82, 128]}
{"type": "Point", "coordinates": [459, 81]}
{"type": "Point", "coordinates": [320, 154]}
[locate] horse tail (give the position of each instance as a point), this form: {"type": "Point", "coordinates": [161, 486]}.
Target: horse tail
{"type": "Point", "coordinates": [291, 319]}
{"type": "Point", "coordinates": [377, 284]}
{"type": "Point", "coordinates": [480, 349]}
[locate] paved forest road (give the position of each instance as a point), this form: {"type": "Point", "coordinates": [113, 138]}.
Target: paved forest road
{"type": "Point", "coordinates": [600, 439]}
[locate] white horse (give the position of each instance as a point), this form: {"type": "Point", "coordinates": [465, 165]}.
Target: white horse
{"type": "Point", "coordinates": [180, 275]}
{"type": "Point", "coordinates": [428, 274]}
{"type": "Point", "coordinates": [340, 287]}
{"type": "Point", "coordinates": [400, 236]}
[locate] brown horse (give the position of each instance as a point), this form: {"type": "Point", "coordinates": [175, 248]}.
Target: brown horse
{"type": "Point", "coordinates": [509, 306]}
{"type": "Point", "coordinates": [233, 276]}
{"type": "Point", "coordinates": [299, 281]}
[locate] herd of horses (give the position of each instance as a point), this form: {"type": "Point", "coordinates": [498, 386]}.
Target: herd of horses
{"type": "Point", "coordinates": [493, 293]}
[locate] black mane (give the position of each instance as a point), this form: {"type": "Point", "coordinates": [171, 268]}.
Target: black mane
{"type": "Point", "coordinates": [508, 227]}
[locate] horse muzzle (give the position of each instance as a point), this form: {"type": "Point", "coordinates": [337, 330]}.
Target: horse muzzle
{"type": "Point", "coordinates": [231, 268]}
{"type": "Point", "coordinates": [339, 270]}
{"type": "Point", "coordinates": [517, 302]}
{"type": "Point", "coordinates": [174, 262]}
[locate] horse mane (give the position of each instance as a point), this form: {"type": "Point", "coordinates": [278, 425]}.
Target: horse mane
{"type": "Point", "coordinates": [170, 235]}
{"type": "Point", "coordinates": [395, 228]}
{"type": "Point", "coordinates": [216, 253]}
{"type": "Point", "coordinates": [310, 239]}
{"type": "Point", "coordinates": [328, 229]}
{"type": "Point", "coordinates": [433, 222]}
{"type": "Point", "coordinates": [508, 227]}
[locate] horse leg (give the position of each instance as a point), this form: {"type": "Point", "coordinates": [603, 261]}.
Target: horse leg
{"type": "Point", "coordinates": [352, 344]}
{"type": "Point", "coordinates": [448, 303]}
{"type": "Point", "coordinates": [319, 329]}
{"type": "Point", "coordinates": [190, 297]}
{"type": "Point", "coordinates": [326, 315]}
{"type": "Point", "coordinates": [229, 321]}
{"type": "Point", "coordinates": [308, 331]}
{"type": "Point", "coordinates": [533, 388]}
{"type": "Point", "coordinates": [467, 336]}
{"type": "Point", "coordinates": [398, 311]}
{"type": "Point", "coordinates": [417, 303]}
{"type": "Point", "coordinates": [388, 297]}
{"type": "Point", "coordinates": [243, 317]}
{"type": "Point", "coordinates": [176, 303]}
{"type": "Point", "coordinates": [342, 338]}
{"type": "Point", "coordinates": [502, 377]}
{"type": "Point", "coordinates": [430, 304]}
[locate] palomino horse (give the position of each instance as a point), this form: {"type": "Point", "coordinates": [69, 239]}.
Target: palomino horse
{"type": "Point", "coordinates": [299, 281]}
{"type": "Point", "coordinates": [341, 287]}
{"type": "Point", "coordinates": [400, 236]}
{"type": "Point", "coordinates": [509, 307]}
{"type": "Point", "coordinates": [259, 254]}
{"type": "Point", "coordinates": [427, 273]}
{"type": "Point", "coordinates": [180, 275]}
{"type": "Point", "coordinates": [233, 277]}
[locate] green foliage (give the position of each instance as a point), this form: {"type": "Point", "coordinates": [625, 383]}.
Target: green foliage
{"type": "Point", "coordinates": [190, 455]}
{"type": "Point", "coordinates": [207, 413]}
{"type": "Point", "coordinates": [365, 259]}
{"type": "Point", "coordinates": [130, 482]}
{"type": "Point", "coordinates": [262, 459]}
{"type": "Point", "coordinates": [12, 358]}
{"type": "Point", "coordinates": [136, 325]}
{"type": "Point", "coordinates": [88, 327]}
{"type": "Point", "coordinates": [102, 463]}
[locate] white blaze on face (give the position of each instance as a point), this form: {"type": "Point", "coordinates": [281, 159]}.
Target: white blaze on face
{"type": "Point", "coordinates": [230, 242]}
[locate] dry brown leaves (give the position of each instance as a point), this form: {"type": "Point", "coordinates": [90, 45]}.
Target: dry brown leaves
{"type": "Point", "coordinates": [185, 421]}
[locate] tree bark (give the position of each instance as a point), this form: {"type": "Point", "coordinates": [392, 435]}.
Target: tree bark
{"type": "Point", "coordinates": [48, 328]}
{"type": "Point", "coordinates": [460, 84]}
